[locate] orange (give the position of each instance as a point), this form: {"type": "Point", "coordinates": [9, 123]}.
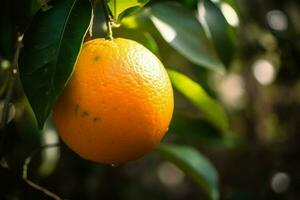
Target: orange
{"type": "Point", "coordinates": [117, 104]}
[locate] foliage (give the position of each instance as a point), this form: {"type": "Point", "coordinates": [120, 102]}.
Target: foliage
{"type": "Point", "coordinates": [236, 97]}
{"type": "Point", "coordinates": [185, 34]}
{"type": "Point", "coordinates": [194, 165]}
{"type": "Point", "coordinates": [50, 52]}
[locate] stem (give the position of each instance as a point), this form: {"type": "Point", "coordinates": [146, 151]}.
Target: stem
{"type": "Point", "coordinates": [109, 35]}
{"type": "Point", "coordinates": [115, 8]}
{"type": "Point", "coordinates": [29, 158]}
{"type": "Point", "coordinates": [44, 190]}
{"type": "Point", "coordinates": [31, 183]}
{"type": "Point", "coordinates": [9, 93]}
{"type": "Point", "coordinates": [14, 71]}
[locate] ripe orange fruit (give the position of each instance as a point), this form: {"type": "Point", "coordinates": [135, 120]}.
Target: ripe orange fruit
{"type": "Point", "coordinates": [118, 103]}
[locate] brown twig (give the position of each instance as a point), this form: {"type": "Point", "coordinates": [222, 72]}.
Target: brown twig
{"type": "Point", "coordinates": [42, 189]}
{"type": "Point", "coordinates": [31, 183]}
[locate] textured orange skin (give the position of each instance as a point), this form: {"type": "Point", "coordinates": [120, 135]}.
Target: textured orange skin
{"type": "Point", "coordinates": [118, 103]}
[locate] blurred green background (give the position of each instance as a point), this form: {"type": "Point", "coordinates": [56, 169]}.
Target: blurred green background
{"type": "Point", "coordinates": [234, 65]}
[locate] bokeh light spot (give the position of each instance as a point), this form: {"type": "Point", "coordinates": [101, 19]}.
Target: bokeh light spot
{"type": "Point", "coordinates": [280, 182]}
{"type": "Point", "coordinates": [264, 71]}
{"type": "Point", "coordinates": [277, 20]}
{"type": "Point", "coordinates": [170, 175]}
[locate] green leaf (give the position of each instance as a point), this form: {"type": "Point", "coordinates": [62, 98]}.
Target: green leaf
{"type": "Point", "coordinates": [210, 108]}
{"type": "Point", "coordinates": [195, 166]}
{"type": "Point", "coordinates": [144, 38]}
{"type": "Point", "coordinates": [221, 32]}
{"type": "Point", "coordinates": [194, 129]}
{"type": "Point", "coordinates": [128, 12]}
{"type": "Point", "coordinates": [121, 8]}
{"type": "Point", "coordinates": [233, 4]}
{"type": "Point", "coordinates": [51, 46]}
{"type": "Point", "coordinates": [180, 28]}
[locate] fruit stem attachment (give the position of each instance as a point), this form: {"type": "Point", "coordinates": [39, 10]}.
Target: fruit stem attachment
{"type": "Point", "coordinates": [109, 32]}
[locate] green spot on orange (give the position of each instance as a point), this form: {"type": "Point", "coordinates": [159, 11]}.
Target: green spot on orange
{"type": "Point", "coordinates": [85, 113]}
{"type": "Point", "coordinates": [97, 58]}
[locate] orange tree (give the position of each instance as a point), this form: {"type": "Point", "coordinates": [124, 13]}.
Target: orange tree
{"type": "Point", "coordinates": [111, 99]}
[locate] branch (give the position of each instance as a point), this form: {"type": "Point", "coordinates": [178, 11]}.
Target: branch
{"type": "Point", "coordinates": [107, 16]}
{"type": "Point", "coordinates": [44, 190]}
{"type": "Point", "coordinates": [9, 93]}
{"type": "Point", "coordinates": [31, 183]}
{"type": "Point", "coordinates": [10, 183]}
